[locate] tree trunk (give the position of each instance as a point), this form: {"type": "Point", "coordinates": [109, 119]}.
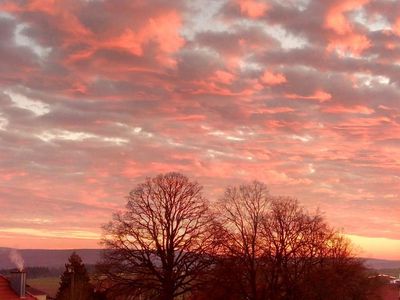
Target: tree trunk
{"type": "Point", "coordinates": [253, 284]}
{"type": "Point", "coordinates": [168, 291]}
{"type": "Point", "coordinates": [167, 295]}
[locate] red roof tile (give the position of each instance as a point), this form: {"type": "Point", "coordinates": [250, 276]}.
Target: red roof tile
{"type": "Point", "coordinates": [7, 293]}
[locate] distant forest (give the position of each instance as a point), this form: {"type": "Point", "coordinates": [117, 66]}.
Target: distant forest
{"type": "Point", "coordinates": [39, 272]}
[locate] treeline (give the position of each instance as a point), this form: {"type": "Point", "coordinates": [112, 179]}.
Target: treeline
{"type": "Point", "coordinates": [40, 272]}
{"type": "Point", "coordinates": [170, 243]}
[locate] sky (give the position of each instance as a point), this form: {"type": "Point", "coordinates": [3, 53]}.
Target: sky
{"type": "Point", "coordinates": [95, 95]}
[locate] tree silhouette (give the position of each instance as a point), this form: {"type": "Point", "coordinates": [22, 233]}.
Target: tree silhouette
{"type": "Point", "coordinates": [75, 282]}
{"type": "Point", "coordinates": [297, 241]}
{"type": "Point", "coordinates": [162, 243]}
{"type": "Point", "coordinates": [242, 210]}
{"type": "Point", "coordinates": [167, 243]}
{"type": "Point", "coordinates": [276, 250]}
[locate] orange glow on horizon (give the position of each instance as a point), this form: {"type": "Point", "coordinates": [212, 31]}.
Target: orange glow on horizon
{"type": "Point", "coordinates": [366, 247]}
{"type": "Point", "coordinates": [376, 247]}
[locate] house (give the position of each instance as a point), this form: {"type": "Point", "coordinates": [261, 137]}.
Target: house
{"type": "Point", "coordinates": [14, 287]}
{"type": "Point", "coordinates": [395, 281]}
{"type": "Point", "coordinates": [35, 293]}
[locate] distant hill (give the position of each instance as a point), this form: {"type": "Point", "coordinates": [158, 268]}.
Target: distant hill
{"type": "Point", "coordinates": [57, 258]}
{"type": "Point", "coordinates": [381, 263]}
{"type": "Point", "coordinates": [47, 258]}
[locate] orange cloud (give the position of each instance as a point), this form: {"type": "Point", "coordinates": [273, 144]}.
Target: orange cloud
{"type": "Point", "coordinates": [252, 8]}
{"type": "Point", "coordinates": [270, 78]}
{"type": "Point", "coordinates": [344, 37]}
{"type": "Point", "coordinates": [162, 29]}
{"type": "Point", "coordinates": [110, 90]}
{"type": "Point", "coordinates": [350, 43]}
{"type": "Point", "coordinates": [336, 19]}
{"type": "Point", "coordinates": [358, 109]}
{"type": "Point", "coordinates": [223, 77]}
{"type": "Point", "coordinates": [396, 26]}
{"type": "Point", "coordinates": [318, 95]}
{"type": "Point", "coordinates": [275, 110]}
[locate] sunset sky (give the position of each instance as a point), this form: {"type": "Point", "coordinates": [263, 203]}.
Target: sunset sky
{"type": "Point", "coordinates": [96, 95]}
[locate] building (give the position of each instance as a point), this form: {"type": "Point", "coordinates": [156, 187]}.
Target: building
{"type": "Point", "coordinates": [14, 287]}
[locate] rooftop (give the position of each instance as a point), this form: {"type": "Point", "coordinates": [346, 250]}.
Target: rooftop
{"type": "Point", "coordinates": [7, 293]}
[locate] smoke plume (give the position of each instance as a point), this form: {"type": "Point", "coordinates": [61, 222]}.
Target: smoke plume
{"type": "Point", "coordinates": [17, 259]}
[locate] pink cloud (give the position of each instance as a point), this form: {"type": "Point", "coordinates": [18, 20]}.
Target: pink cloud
{"type": "Point", "coordinates": [319, 95]}
{"type": "Point", "coordinates": [275, 110]}
{"type": "Point", "coordinates": [350, 43]}
{"type": "Point", "coordinates": [336, 18]}
{"type": "Point", "coordinates": [345, 38]}
{"type": "Point", "coordinates": [252, 8]}
{"type": "Point", "coordinates": [358, 109]}
{"type": "Point", "coordinates": [396, 26]}
{"type": "Point", "coordinates": [98, 95]}
{"type": "Point", "coordinates": [270, 78]}
{"type": "Point", "coordinates": [162, 29]}
{"type": "Point", "coordinates": [224, 77]}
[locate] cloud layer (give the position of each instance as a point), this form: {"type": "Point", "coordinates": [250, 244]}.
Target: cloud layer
{"type": "Point", "coordinates": [96, 95]}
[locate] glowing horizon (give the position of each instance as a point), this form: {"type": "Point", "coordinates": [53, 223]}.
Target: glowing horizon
{"type": "Point", "coordinates": [365, 247]}
{"type": "Point", "coordinates": [94, 96]}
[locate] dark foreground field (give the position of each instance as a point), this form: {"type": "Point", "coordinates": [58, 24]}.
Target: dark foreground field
{"type": "Point", "coordinates": [390, 292]}
{"type": "Point", "coordinates": [54, 260]}
{"type": "Point", "coordinates": [49, 285]}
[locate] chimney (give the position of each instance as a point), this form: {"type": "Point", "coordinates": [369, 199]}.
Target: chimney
{"type": "Point", "coordinates": [18, 283]}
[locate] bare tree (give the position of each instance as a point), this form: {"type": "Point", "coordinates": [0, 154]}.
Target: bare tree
{"type": "Point", "coordinates": [162, 243]}
{"type": "Point", "coordinates": [293, 239]}
{"type": "Point", "coordinates": [242, 210]}
{"type": "Point", "coordinates": [300, 248]}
